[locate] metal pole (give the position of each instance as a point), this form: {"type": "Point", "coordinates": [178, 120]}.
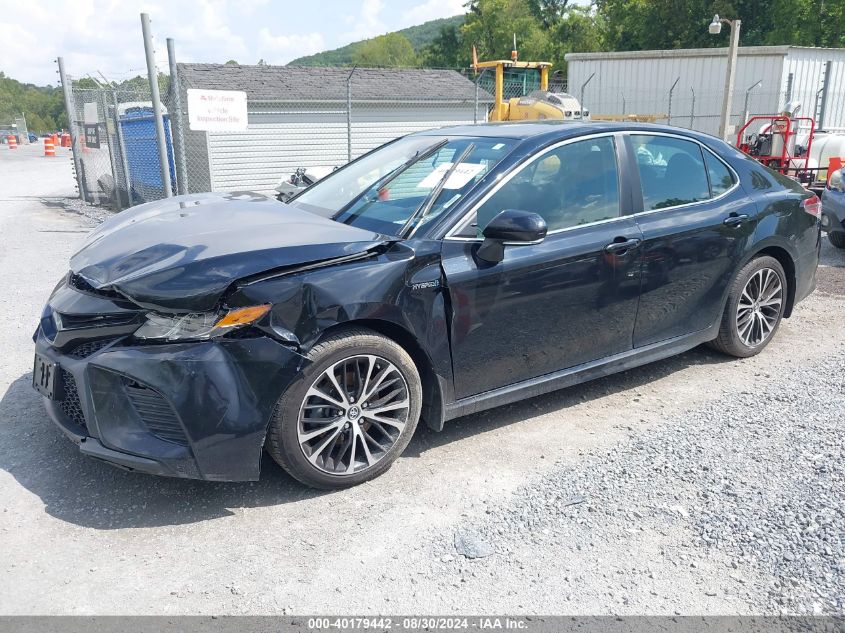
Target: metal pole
{"type": "Point", "coordinates": [74, 138]}
{"type": "Point", "coordinates": [789, 79]}
{"type": "Point", "coordinates": [177, 121]}
{"type": "Point", "coordinates": [745, 107]}
{"type": "Point", "coordinates": [692, 109]}
{"type": "Point", "coordinates": [152, 73]}
{"type": "Point", "coordinates": [624, 103]}
{"type": "Point", "coordinates": [669, 113]}
{"type": "Point", "coordinates": [584, 85]}
{"type": "Point", "coordinates": [349, 116]}
{"type": "Point", "coordinates": [123, 159]}
{"type": "Point", "coordinates": [475, 107]}
{"type": "Point", "coordinates": [729, 79]}
{"type": "Point", "coordinates": [118, 203]}
{"type": "Point", "coordinates": [828, 69]}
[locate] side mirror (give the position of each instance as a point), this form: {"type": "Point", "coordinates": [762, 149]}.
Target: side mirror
{"type": "Point", "coordinates": [511, 225]}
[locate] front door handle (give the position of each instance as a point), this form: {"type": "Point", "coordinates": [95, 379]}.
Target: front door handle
{"type": "Point", "coordinates": [735, 220]}
{"type": "Point", "coordinates": [621, 247]}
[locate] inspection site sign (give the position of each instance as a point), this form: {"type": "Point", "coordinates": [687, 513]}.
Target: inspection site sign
{"type": "Point", "coordinates": [217, 110]}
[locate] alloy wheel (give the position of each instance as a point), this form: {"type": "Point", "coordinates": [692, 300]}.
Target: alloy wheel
{"type": "Point", "coordinates": [759, 307]}
{"type": "Point", "coordinates": [352, 415]}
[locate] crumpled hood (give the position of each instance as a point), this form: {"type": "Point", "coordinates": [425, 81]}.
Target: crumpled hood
{"type": "Point", "coordinates": [182, 253]}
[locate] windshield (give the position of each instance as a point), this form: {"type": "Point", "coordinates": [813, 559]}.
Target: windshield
{"type": "Point", "coordinates": [405, 184]}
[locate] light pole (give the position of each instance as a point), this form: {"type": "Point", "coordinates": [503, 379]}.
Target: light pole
{"type": "Point", "coordinates": [715, 29]}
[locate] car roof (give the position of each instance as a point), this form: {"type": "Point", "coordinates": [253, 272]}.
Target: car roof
{"type": "Point", "coordinates": [541, 131]}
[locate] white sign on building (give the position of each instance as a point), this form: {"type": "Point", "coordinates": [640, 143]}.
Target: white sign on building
{"type": "Point", "coordinates": [217, 110]}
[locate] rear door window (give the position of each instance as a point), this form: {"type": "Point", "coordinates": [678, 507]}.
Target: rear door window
{"type": "Point", "coordinates": [672, 171]}
{"type": "Point", "coordinates": [721, 178]}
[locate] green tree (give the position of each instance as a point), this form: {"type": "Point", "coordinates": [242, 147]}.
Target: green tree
{"type": "Point", "coordinates": [392, 49]}
{"type": "Point", "coordinates": [671, 24]}
{"type": "Point", "coordinates": [492, 24]}
{"type": "Point", "coordinates": [447, 50]}
{"type": "Point", "coordinates": [42, 106]}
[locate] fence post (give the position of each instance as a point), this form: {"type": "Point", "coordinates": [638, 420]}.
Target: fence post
{"type": "Point", "coordinates": [788, 97]}
{"type": "Point", "coordinates": [745, 106]}
{"type": "Point", "coordinates": [692, 109]}
{"type": "Point", "coordinates": [828, 69]}
{"type": "Point", "coordinates": [583, 86]}
{"type": "Point", "coordinates": [74, 137]}
{"type": "Point", "coordinates": [124, 159]}
{"type": "Point", "coordinates": [152, 73]}
{"type": "Point", "coordinates": [112, 162]}
{"type": "Point", "coordinates": [669, 113]}
{"type": "Point", "coordinates": [475, 106]}
{"type": "Point", "coordinates": [349, 116]}
{"type": "Point", "coordinates": [176, 121]}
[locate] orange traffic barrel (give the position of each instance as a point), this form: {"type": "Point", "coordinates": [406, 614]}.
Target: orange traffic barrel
{"type": "Point", "coordinates": [65, 140]}
{"type": "Point", "coordinates": [13, 142]}
{"type": "Point", "coordinates": [49, 147]}
{"type": "Point", "coordinates": [55, 138]}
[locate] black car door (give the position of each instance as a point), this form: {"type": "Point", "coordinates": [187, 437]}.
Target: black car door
{"type": "Point", "coordinates": [568, 300]}
{"type": "Point", "coordinates": [696, 224]}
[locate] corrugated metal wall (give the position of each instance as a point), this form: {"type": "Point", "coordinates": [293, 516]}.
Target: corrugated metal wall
{"type": "Point", "coordinates": [640, 83]}
{"type": "Point", "coordinates": [277, 142]}
{"type": "Point", "coordinates": [807, 66]}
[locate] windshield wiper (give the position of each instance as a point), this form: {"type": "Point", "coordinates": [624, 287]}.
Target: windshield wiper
{"type": "Point", "coordinates": [391, 176]}
{"type": "Point", "coordinates": [425, 206]}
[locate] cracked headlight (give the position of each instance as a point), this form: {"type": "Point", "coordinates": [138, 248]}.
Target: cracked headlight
{"type": "Point", "coordinates": [197, 326]}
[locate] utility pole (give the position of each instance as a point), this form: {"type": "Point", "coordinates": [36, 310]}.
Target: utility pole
{"type": "Point", "coordinates": [74, 137]}
{"type": "Point", "coordinates": [152, 73]}
{"type": "Point", "coordinates": [730, 74]}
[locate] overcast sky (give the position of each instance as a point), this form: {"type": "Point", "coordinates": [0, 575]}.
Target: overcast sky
{"type": "Point", "coordinates": [105, 35]}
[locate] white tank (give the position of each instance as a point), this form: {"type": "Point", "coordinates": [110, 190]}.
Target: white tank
{"type": "Point", "coordinates": [827, 145]}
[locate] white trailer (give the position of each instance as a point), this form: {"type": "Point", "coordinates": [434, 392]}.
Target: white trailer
{"type": "Point", "coordinates": [641, 82]}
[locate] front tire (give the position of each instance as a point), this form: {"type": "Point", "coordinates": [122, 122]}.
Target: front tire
{"type": "Point", "coordinates": [754, 309]}
{"type": "Point", "coordinates": [837, 239]}
{"type": "Point", "coordinates": [349, 414]}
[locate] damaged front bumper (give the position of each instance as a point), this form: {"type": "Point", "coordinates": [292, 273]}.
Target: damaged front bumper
{"type": "Point", "coordinates": [196, 410]}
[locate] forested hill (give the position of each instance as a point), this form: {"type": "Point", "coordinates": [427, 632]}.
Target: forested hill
{"type": "Point", "coordinates": [419, 36]}
{"type": "Point", "coordinates": [43, 106]}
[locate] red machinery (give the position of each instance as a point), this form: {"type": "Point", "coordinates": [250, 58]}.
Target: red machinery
{"type": "Point", "coordinates": [774, 144]}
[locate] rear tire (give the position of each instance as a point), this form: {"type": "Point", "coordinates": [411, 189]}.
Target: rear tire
{"type": "Point", "coordinates": [349, 414]}
{"type": "Point", "coordinates": [754, 310]}
{"type": "Point", "coordinates": [837, 239]}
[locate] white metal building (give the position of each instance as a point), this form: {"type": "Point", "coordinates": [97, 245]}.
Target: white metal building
{"type": "Point", "coordinates": [639, 82]}
{"type": "Point", "coordinates": [315, 116]}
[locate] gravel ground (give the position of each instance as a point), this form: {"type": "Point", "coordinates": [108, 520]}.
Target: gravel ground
{"type": "Point", "coordinates": [751, 483]}
{"type": "Point", "coordinates": [695, 485]}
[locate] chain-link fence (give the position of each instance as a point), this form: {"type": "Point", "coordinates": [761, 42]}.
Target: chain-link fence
{"type": "Point", "coordinates": [311, 117]}
{"type": "Point", "coordinates": [325, 117]}
{"type": "Point", "coordinates": [324, 123]}
{"type": "Point", "coordinates": [116, 144]}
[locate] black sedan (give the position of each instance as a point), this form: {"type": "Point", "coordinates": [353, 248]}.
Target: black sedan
{"type": "Point", "coordinates": [444, 273]}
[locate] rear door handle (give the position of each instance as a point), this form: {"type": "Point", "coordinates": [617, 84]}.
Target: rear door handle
{"type": "Point", "coordinates": [621, 247]}
{"type": "Point", "coordinates": [735, 220]}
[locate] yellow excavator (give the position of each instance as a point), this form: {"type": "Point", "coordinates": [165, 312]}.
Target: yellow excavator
{"type": "Point", "coordinates": [538, 104]}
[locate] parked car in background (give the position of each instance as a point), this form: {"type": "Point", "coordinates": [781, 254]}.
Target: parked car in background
{"type": "Point", "coordinates": [833, 208]}
{"type": "Point", "coordinates": [444, 273]}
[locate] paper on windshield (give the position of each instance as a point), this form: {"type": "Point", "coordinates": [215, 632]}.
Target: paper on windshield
{"type": "Point", "coordinates": [461, 176]}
